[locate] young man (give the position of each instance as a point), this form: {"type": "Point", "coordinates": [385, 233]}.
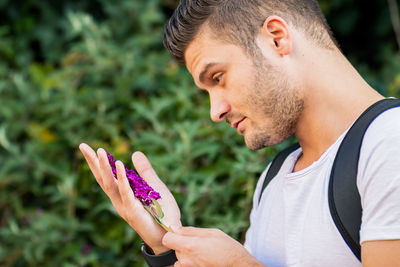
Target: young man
{"type": "Point", "coordinates": [272, 69]}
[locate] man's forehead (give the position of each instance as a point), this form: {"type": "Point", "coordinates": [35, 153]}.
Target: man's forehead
{"type": "Point", "coordinates": [194, 50]}
{"type": "Point", "coordinates": [205, 52]}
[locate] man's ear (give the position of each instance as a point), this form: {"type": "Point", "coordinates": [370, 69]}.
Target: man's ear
{"type": "Point", "coordinates": [276, 29]}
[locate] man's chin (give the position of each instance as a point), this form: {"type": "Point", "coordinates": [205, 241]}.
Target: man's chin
{"type": "Point", "coordinates": [254, 144]}
{"type": "Point", "coordinates": [262, 141]}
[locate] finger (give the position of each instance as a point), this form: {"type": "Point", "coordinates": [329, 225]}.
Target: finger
{"type": "Point", "coordinates": [144, 168]}
{"type": "Point", "coordinates": [177, 264]}
{"type": "Point", "coordinates": [126, 193]}
{"type": "Point", "coordinates": [93, 162]}
{"type": "Point", "coordinates": [107, 176]}
{"type": "Point", "coordinates": [194, 231]}
{"type": "Point", "coordinates": [178, 242]}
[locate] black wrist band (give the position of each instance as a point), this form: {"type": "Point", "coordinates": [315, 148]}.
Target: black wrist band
{"type": "Point", "coordinates": [160, 260]}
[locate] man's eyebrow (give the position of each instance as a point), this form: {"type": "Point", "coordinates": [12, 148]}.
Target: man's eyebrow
{"type": "Point", "coordinates": [203, 73]}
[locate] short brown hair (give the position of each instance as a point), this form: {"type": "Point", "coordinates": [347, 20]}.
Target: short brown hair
{"type": "Point", "coordinates": [239, 22]}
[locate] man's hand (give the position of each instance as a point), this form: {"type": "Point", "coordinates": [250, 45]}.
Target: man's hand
{"type": "Point", "coordinates": [122, 198]}
{"type": "Point", "coordinates": [207, 247]}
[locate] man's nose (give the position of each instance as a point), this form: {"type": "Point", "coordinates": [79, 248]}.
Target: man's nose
{"type": "Point", "coordinates": [219, 107]}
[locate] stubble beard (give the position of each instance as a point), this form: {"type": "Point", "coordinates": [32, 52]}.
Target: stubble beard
{"type": "Point", "coordinates": [281, 104]}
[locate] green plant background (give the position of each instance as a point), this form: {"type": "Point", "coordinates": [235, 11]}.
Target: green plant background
{"type": "Point", "coordinates": [96, 72]}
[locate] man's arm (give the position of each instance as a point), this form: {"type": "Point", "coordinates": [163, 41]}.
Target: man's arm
{"type": "Point", "coordinates": [379, 186]}
{"type": "Point", "coordinates": [380, 253]}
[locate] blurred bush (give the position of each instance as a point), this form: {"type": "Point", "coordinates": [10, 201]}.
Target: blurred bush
{"type": "Point", "coordinates": [96, 72]}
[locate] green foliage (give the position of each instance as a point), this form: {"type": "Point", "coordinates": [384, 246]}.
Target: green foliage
{"type": "Point", "coordinates": [97, 72]}
{"type": "Point", "coordinates": [115, 87]}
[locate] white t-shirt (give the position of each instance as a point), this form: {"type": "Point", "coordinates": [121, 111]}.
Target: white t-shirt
{"type": "Point", "coordinates": [292, 224]}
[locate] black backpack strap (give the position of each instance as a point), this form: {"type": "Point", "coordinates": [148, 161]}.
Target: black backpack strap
{"type": "Point", "coordinates": [343, 196]}
{"type": "Point", "coordinates": [276, 166]}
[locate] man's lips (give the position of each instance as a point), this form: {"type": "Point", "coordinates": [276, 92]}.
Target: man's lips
{"type": "Point", "coordinates": [236, 124]}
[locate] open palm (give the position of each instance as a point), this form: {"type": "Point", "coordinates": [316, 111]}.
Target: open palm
{"type": "Point", "coordinates": [122, 198]}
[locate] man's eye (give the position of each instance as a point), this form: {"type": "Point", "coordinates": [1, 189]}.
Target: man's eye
{"type": "Point", "coordinates": [218, 77]}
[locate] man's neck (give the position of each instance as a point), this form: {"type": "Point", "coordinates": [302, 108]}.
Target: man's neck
{"type": "Point", "coordinates": [336, 96]}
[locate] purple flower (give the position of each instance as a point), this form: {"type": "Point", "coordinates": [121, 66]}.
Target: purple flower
{"type": "Point", "coordinates": [140, 188]}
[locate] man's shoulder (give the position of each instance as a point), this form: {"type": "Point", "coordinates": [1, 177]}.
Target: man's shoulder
{"type": "Point", "coordinates": [385, 125]}
{"type": "Point", "coordinates": [381, 145]}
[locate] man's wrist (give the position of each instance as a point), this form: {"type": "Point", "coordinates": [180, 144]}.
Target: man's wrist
{"type": "Point", "coordinates": [159, 250]}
